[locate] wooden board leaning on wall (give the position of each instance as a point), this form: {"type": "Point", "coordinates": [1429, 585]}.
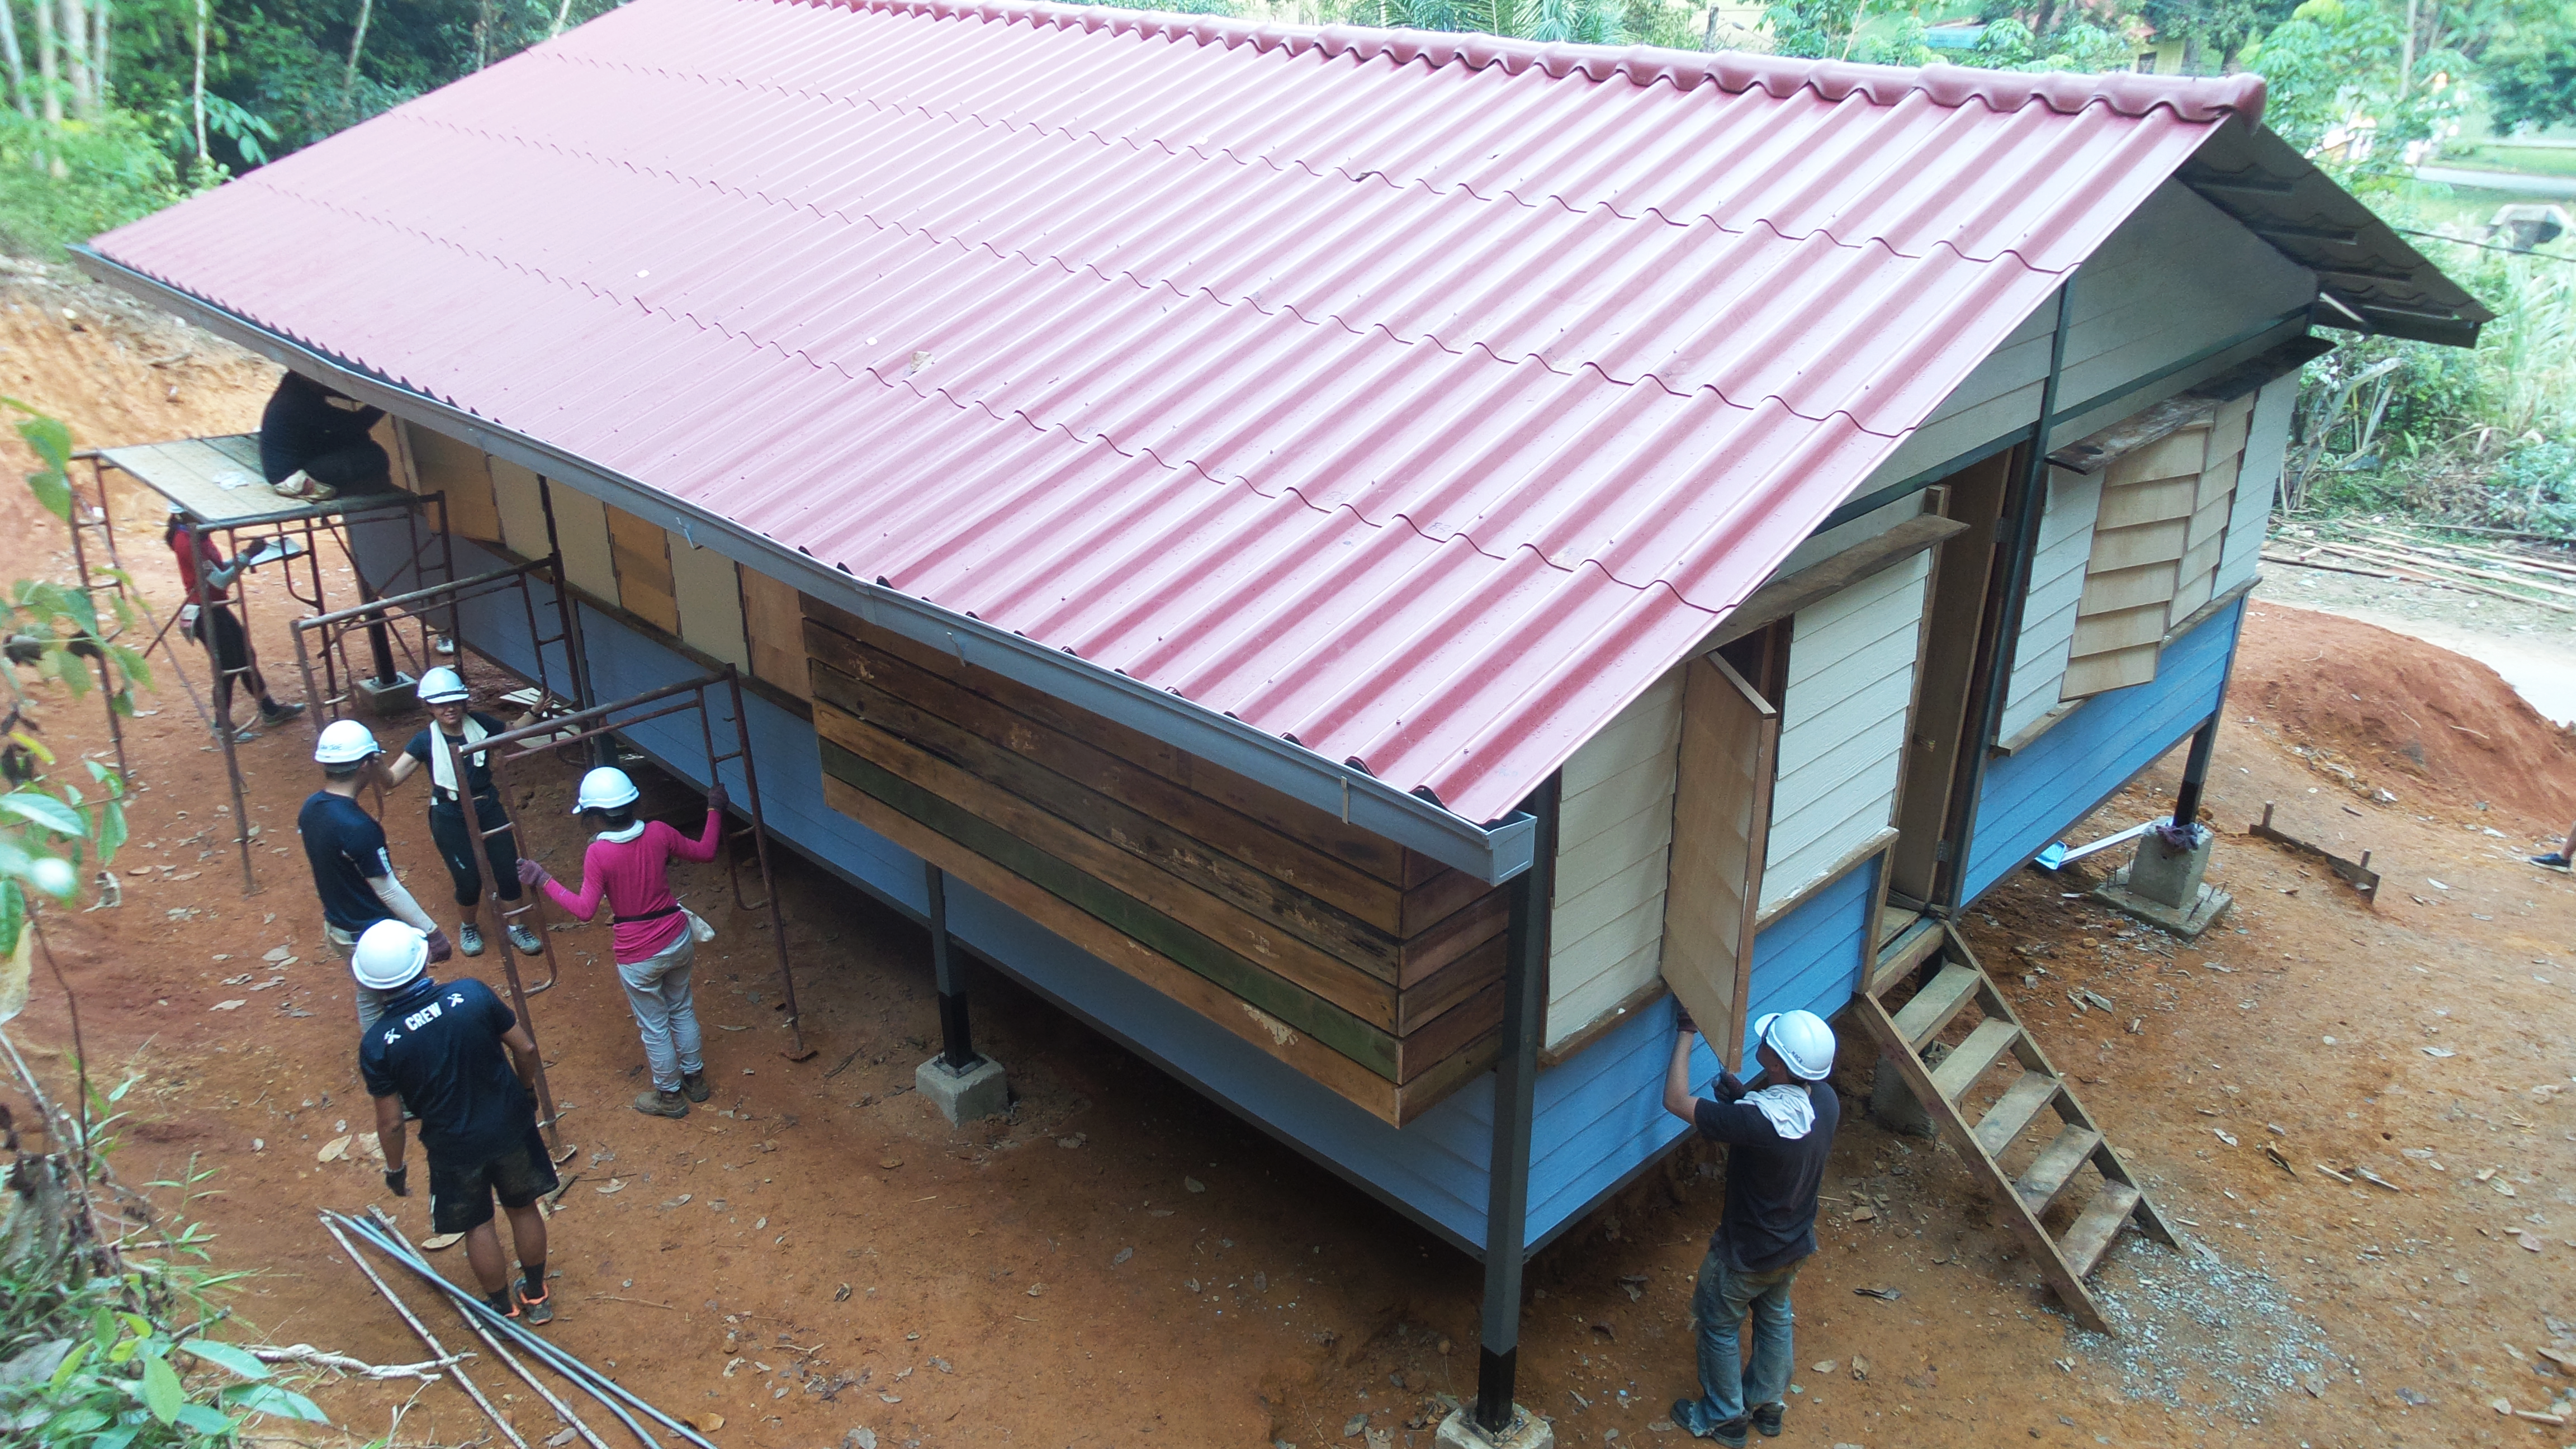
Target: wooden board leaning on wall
{"type": "Point", "coordinates": [1366, 967]}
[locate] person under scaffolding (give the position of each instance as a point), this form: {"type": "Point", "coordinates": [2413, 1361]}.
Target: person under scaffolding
{"type": "Point", "coordinates": [209, 619]}
{"type": "Point", "coordinates": [458, 727]}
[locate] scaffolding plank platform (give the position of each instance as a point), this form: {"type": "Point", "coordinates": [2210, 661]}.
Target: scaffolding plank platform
{"type": "Point", "coordinates": [217, 482]}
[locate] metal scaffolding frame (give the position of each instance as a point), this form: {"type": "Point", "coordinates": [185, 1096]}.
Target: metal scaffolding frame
{"type": "Point", "coordinates": [215, 484]}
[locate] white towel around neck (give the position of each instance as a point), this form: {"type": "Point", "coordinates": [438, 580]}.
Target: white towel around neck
{"type": "Point", "coordinates": [1788, 1107]}
{"type": "Point", "coordinates": [620, 837]}
{"type": "Point", "coordinates": [442, 752]}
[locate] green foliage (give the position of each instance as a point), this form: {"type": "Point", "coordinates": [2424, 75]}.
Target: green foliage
{"type": "Point", "coordinates": [2339, 92]}
{"type": "Point", "coordinates": [2009, 45]}
{"type": "Point", "coordinates": [2530, 69]}
{"type": "Point", "coordinates": [62, 184]}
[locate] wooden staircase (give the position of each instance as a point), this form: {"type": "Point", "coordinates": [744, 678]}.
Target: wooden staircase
{"type": "Point", "coordinates": [1934, 980]}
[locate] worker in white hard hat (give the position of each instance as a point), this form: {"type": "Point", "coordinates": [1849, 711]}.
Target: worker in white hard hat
{"type": "Point", "coordinates": [442, 748]}
{"type": "Point", "coordinates": [468, 1067]}
{"type": "Point", "coordinates": [656, 940]}
{"type": "Point", "coordinates": [352, 871]}
{"type": "Point", "coordinates": [1778, 1130]}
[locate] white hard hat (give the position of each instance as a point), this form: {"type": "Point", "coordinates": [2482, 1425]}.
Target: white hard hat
{"type": "Point", "coordinates": [389, 954]}
{"type": "Point", "coordinates": [345, 742]}
{"type": "Point", "coordinates": [1802, 1039]}
{"type": "Point", "coordinates": [442, 684]}
{"type": "Point", "coordinates": [605, 788]}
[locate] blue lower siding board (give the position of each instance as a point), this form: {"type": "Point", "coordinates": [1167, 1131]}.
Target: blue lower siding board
{"type": "Point", "coordinates": [2031, 797]}
{"type": "Point", "coordinates": [1599, 1117]}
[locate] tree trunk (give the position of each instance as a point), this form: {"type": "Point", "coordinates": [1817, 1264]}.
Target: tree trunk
{"type": "Point", "coordinates": [2191, 55]}
{"type": "Point", "coordinates": [2406, 54]}
{"type": "Point", "coordinates": [563, 11]}
{"type": "Point", "coordinates": [197, 92]}
{"type": "Point", "coordinates": [2047, 18]}
{"type": "Point", "coordinates": [482, 33]}
{"type": "Point", "coordinates": [357, 42]}
{"type": "Point", "coordinates": [48, 62]}
{"type": "Point", "coordinates": [76, 63]}
{"type": "Point", "coordinates": [17, 62]}
{"type": "Point", "coordinates": [104, 55]}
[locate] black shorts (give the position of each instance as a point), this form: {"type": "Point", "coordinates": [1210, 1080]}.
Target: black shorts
{"type": "Point", "coordinates": [460, 1193]}
{"type": "Point", "coordinates": [217, 625]}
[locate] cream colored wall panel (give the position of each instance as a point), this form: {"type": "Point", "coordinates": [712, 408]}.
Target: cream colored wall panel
{"type": "Point", "coordinates": [709, 591]}
{"type": "Point", "coordinates": [521, 500]}
{"type": "Point", "coordinates": [1852, 661]}
{"type": "Point", "coordinates": [581, 526]}
{"type": "Point", "coordinates": [1582, 1002]}
{"type": "Point", "coordinates": [1613, 849]}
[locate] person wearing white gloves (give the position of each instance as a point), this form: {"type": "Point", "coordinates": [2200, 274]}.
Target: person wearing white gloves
{"type": "Point", "coordinates": [353, 873]}
{"type": "Point", "coordinates": [442, 748]}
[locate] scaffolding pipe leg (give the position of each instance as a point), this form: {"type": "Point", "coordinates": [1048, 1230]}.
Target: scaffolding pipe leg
{"type": "Point", "coordinates": [484, 892]}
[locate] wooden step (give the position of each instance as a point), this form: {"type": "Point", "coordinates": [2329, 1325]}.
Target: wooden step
{"type": "Point", "coordinates": [2012, 1111]}
{"type": "Point", "coordinates": [1899, 957]}
{"type": "Point", "coordinates": [1969, 1060]}
{"type": "Point", "coordinates": [2055, 1166]}
{"type": "Point", "coordinates": [1934, 1005]}
{"type": "Point", "coordinates": [2090, 1238]}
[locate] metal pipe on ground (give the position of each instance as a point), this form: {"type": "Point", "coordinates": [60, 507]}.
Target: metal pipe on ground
{"type": "Point", "coordinates": [563, 1411]}
{"type": "Point", "coordinates": [435, 1347]}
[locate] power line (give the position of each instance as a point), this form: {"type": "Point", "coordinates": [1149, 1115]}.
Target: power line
{"type": "Point", "coordinates": [2484, 246]}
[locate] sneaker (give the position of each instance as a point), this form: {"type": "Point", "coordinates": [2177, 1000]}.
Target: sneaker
{"type": "Point", "coordinates": [273, 713]}
{"type": "Point", "coordinates": [446, 645]}
{"type": "Point", "coordinates": [1766, 1417]}
{"type": "Point", "coordinates": [540, 1309]}
{"type": "Point", "coordinates": [245, 734]}
{"type": "Point", "coordinates": [2552, 861]}
{"type": "Point", "coordinates": [1691, 1415]}
{"type": "Point", "coordinates": [659, 1103]}
{"type": "Point", "coordinates": [693, 1085]}
{"type": "Point", "coordinates": [469, 939]}
{"type": "Point", "coordinates": [526, 940]}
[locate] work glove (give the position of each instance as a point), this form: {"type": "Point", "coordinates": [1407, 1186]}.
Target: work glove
{"type": "Point", "coordinates": [439, 949]}
{"type": "Point", "coordinates": [1682, 1018]}
{"type": "Point", "coordinates": [398, 1181]}
{"type": "Point", "coordinates": [717, 799]}
{"type": "Point", "coordinates": [530, 873]}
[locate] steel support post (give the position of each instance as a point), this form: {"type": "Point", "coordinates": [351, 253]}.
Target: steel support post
{"type": "Point", "coordinates": [2195, 773]}
{"type": "Point", "coordinates": [956, 1033]}
{"type": "Point", "coordinates": [1515, 1091]}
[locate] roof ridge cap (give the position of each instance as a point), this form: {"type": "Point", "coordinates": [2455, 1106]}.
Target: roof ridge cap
{"type": "Point", "coordinates": [2192, 99]}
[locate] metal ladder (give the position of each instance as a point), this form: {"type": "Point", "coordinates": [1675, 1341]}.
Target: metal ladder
{"type": "Point", "coordinates": [1937, 978]}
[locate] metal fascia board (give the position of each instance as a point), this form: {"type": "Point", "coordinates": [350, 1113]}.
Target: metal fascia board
{"type": "Point", "coordinates": [1492, 854]}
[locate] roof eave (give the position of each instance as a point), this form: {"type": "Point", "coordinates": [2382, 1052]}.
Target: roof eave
{"type": "Point", "coordinates": [1493, 852]}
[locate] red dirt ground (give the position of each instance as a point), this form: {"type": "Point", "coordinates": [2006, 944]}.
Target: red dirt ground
{"type": "Point", "coordinates": [1121, 1263]}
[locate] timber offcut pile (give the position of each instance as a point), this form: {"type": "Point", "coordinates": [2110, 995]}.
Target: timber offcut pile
{"type": "Point", "coordinates": [2543, 579]}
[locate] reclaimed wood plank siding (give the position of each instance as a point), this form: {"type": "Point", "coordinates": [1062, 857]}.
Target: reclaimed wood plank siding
{"type": "Point", "coordinates": [1367, 968]}
{"type": "Point", "coordinates": [643, 554]}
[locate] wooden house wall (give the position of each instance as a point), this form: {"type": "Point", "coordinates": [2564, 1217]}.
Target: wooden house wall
{"type": "Point", "coordinates": [2258, 482]}
{"type": "Point", "coordinates": [2031, 796]}
{"type": "Point", "coordinates": [2176, 278]}
{"type": "Point", "coordinates": [2056, 588]}
{"type": "Point", "coordinates": [1614, 830]}
{"type": "Point", "coordinates": [1366, 966]}
{"type": "Point", "coordinates": [1852, 662]}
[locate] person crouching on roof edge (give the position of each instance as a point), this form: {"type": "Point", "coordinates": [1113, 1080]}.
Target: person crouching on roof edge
{"type": "Point", "coordinates": [656, 941]}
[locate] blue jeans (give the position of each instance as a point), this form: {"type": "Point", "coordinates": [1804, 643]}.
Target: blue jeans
{"type": "Point", "coordinates": [658, 989]}
{"type": "Point", "coordinates": [1720, 1303]}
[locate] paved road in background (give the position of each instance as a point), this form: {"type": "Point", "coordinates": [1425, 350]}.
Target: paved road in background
{"type": "Point", "coordinates": [2520, 182]}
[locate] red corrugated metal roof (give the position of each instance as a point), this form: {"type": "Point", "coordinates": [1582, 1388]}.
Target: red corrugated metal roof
{"type": "Point", "coordinates": [1418, 397]}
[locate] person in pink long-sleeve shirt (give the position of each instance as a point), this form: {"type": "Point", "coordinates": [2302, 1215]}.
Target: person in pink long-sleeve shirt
{"type": "Point", "coordinates": [628, 865]}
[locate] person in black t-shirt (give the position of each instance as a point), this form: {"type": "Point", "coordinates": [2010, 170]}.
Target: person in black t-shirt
{"type": "Point", "coordinates": [310, 434]}
{"type": "Point", "coordinates": [457, 727]}
{"type": "Point", "coordinates": [465, 1065]}
{"type": "Point", "coordinates": [353, 873]}
{"type": "Point", "coordinates": [1779, 1129]}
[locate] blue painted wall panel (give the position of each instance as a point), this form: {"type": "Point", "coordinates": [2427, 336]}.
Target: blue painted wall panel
{"type": "Point", "coordinates": [1599, 1117]}
{"type": "Point", "coordinates": [2030, 798]}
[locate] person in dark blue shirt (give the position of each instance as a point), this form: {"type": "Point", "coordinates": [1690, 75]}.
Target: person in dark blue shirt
{"type": "Point", "coordinates": [466, 1066]}
{"type": "Point", "coordinates": [353, 873]}
{"type": "Point", "coordinates": [457, 729]}
{"type": "Point", "coordinates": [1778, 1130]}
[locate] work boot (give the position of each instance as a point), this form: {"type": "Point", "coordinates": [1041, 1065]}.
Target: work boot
{"type": "Point", "coordinates": [526, 940]}
{"type": "Point", "coordinates": [273, 713]}
{"type": "Point", "coordinates": [1766, 1417]}
{"type": "Point", "coordinates": [469, 939]}
{"type": "Point", "coordinates": [693, 1085]}
{"type": "Point", "coordinates": [658, 1103]}
{"type": "Point", "coordinates": [535, 1311]}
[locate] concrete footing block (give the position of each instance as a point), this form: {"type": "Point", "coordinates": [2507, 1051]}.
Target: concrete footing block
{"type": "Point", "coordinates": [2185, 921]}
{"type": "Point", "coordinates": [385, 698]}
{"type": "Point", "coordinates": [1893, 1105]}
{"type": "Point", "coordinates": [1528, 1431]}
{"type": "Point", "coordinates": [2163, 886]}
{"type": "Point", "coordinates": [971, 1095]}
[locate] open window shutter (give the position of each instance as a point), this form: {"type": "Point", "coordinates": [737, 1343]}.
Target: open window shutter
{"type": "Point", "coordinates": [1721, 824]}
{"type": "Point", "coordinates": [2156, 546]}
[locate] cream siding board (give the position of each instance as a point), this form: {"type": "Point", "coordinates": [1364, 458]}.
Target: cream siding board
{"type": "Point", "coordinates": [2258, 480]}
{"type": "Point", "coordinates": [1842, 726]}
{"type": "Point", "coordinates": [517, 493]}
{"type": "Point", "coordinates": [1614, 830]}
{"type": "Point", "coordinates": [2056, 587]}
{"type": "Point", "coordinates": [581, 523]}
{"type": "Point", "coordinates": [709, 592]}
{"type": "Point", "coordinates": [2176, 278]}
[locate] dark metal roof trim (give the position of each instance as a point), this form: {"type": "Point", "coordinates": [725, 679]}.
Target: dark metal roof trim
{"type": "Point", "coordinates": [1493, 853]}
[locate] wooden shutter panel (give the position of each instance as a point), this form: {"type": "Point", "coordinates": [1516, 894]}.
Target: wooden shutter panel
{"type": "Point", "coordinates": [1721, 829]}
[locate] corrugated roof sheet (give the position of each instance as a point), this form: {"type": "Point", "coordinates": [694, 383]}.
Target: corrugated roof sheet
{"type": "Point", "coordinates": [1420, 398]}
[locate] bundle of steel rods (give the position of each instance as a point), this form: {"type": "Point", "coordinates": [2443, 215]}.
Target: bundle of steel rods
{"type": "Point", "coordinates": [2381, 553]}
{"type": "Point", "coordinates": [493, 1328]}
